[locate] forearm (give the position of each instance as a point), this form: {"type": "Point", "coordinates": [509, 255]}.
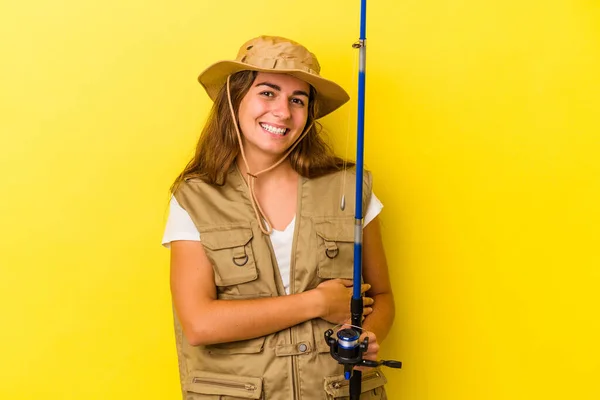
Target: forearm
{"type": "Point", "coordinates": [375, 272]}
{"type": "Point", "coordinates": [381, 319]}
{"type": "Point", "coordinates": [219, 321]}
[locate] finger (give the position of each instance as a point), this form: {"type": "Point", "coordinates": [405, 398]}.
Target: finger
{"type": "Point", "coordinates": [347, 282]}
{"type": "Point", "coordinates": [367, 311]}
{"type": "Point", "coordinates": [365, 287]}
{"type": "Point", "coordinates": [373, 348]}
{"type": "Point", "coordinates": [370, 335]}
{"type": "Point", "coordinates": [368, 301]}
{"type": "Point", "coordinates": [346, 324]}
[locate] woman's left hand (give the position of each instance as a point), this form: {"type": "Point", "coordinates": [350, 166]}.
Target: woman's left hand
{"type": "Point", "coordinates": [372, 351]}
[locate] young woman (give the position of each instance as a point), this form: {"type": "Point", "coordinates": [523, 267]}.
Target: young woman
{"type": "Point", "coordinates": [261, 251]}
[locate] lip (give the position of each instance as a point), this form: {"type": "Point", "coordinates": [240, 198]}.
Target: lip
{"type": "Point", "coordinates": [275, 125]}
{"type": "Point", "coordinates": [274, 135]}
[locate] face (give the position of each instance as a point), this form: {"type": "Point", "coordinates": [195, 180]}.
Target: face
{"type": "Point", "coordinates": [273, 114]}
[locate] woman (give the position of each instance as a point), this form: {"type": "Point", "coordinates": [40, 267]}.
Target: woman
{"type": "Point", "coordinates": [261, 251]}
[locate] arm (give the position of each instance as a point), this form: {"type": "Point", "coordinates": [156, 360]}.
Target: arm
{"type": "Point", "coordinates": [207, 320]}
{"type": "Point", "coordinates": [375, 272]}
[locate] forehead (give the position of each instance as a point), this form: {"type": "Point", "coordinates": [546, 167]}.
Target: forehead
{"type": "Point", "coordinates": [284, 81]}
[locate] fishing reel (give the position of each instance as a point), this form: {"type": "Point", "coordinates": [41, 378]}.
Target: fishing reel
{"type": "Point", "coordinates": [348, 350]}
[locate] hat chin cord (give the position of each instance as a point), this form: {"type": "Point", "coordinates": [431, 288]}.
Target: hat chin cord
{"type": "Point", "coordinates": [258, 211]}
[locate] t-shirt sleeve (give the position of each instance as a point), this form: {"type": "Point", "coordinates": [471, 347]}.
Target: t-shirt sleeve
{"type": "Point", "coordinates": [373, 209]}
{"type": "Point", "coordinates": [179, 225]}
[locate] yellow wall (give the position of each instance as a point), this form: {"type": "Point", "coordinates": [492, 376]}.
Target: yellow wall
{"type": "Point", "coordinates": [483, 136]}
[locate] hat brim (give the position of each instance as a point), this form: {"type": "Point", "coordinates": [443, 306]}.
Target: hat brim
{"type": "Point", "coordinates": [330, 95]}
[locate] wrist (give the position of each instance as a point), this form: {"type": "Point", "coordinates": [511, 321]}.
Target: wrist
{"type": "Point", "coordinates": [313, 302]}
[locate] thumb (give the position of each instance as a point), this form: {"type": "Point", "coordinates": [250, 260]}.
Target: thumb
{"type": "Point", "coordinates": [347, 282]}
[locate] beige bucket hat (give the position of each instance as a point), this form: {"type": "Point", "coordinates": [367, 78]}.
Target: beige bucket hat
{"type": "Point", "coordinates": [276, 54]}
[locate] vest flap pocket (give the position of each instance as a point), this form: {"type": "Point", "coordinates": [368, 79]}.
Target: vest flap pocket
{"type": "Point", "coordinates": [242, 387]}
{"type": "Point", "coordinates": [335, 248]}
{"type": "Point", "coordinates": [249, 346]}
{"type": "Point", "coordinates": [226, 239]}
{"type": "Point", "coordinates": [337, 386]}
{"type": "Point", "coordinates": [336, 230]}
{"type": "Point", "coordinates": [230, 252]}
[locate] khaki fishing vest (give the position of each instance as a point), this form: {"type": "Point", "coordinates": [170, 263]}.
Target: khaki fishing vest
{"type": "Point", "coordinates": [293, 364]}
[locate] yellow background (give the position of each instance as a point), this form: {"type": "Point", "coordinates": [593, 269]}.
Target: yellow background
{"type": "Point", "coordinates": [483, 136]}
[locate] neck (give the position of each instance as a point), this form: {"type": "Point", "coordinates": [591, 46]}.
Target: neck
{"type": "Point", "coordinates": [284, 169]}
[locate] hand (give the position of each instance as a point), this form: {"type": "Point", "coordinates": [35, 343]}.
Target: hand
{"type": "Point", "coordinates": [335, 300]}
{"type": "Point", "coordinates": [372, 351]}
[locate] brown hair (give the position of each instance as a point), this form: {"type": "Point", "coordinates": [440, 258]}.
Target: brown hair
{"type": "Point", "coordinates": [218, 146]}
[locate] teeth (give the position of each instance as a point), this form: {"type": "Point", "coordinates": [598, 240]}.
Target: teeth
{"type": "Point", "coordinates": [272, 129]}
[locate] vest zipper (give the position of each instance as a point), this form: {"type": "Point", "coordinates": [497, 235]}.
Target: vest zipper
{"type": "Point", "coordinates": [292, 279]}
{"type": "Point", "coordinates": [235, 385]}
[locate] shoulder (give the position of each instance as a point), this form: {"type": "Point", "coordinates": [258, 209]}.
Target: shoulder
{"type": "Point", "coordinates": [179, 225]}
{"type": "Point", "coordinates": [193, 190]}
{"type": "Point", "coordinates": [343, 181]}
{"type": "Point", "coordinates": [344, 173]}
{"type": "Point", "coordinates": [324, 194]}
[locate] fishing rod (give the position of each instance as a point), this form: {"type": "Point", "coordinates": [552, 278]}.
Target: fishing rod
{"type": "Point", "coordinates": [347, 349]}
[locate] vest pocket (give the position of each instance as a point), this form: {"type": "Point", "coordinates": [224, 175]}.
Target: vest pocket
{"type": "Point", "coordinates": [335, 248]}
{"type": "Point", "coordinates": [372, 388]}
{"type": "Point", "coordinates": [203, 385]}
{"type": "Point", "coordinates": [250, 346]}
{"type": "Point", "coordinates": [230, 252]}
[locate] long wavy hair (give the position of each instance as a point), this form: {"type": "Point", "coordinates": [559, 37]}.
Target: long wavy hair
{"type": "Point", "coordinates": [218, 145]}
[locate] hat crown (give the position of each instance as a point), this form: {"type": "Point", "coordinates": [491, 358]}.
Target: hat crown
{"type": "Point", "coordinates": [278, 53]}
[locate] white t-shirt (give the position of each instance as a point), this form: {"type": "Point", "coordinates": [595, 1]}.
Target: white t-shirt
{"type": "Point", "coordinates": [181, 227]}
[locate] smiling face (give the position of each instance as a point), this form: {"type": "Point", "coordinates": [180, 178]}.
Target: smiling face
{"type": "Point", "coordinates": [273, 114]}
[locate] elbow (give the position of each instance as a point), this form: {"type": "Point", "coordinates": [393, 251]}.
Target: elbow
{"type": "Point", "coordinates": [196, 335]}
{"type": "Point", "coordinates": [200, 334]}
{"type": "Point", "coordinates": [193, 338]}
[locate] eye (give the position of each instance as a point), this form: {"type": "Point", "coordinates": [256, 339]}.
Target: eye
{"type": "Point", "coordinates": [267, 93]}
{"type": "Point", "coordinates": [297, 101]}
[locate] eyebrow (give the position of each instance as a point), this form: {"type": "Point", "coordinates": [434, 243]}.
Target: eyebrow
{"type": "Point", "coordinates": [275, 87]}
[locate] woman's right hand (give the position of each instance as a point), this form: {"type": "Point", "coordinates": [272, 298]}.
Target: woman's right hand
{"type": "Point", "coordinates": [335, 300]}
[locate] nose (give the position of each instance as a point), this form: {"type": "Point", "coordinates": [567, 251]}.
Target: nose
{"type": "Point", "coordinates": [281, 108]}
